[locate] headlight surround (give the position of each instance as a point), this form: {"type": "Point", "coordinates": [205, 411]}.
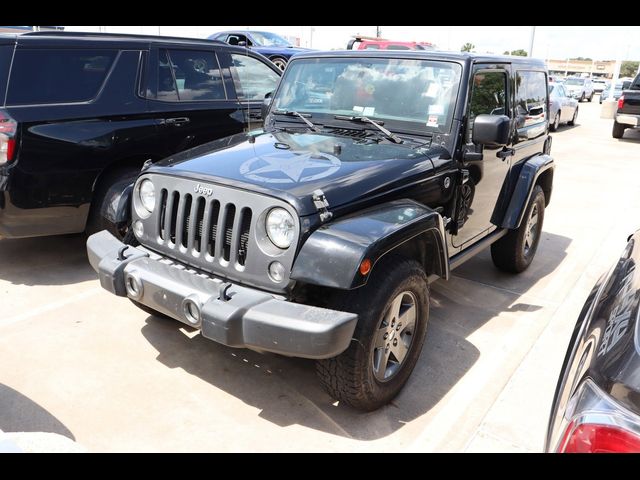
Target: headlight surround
{"type": "Point", "coordinates": [280, 227]}
{"type": "Point", "coordinates": [145, 198]}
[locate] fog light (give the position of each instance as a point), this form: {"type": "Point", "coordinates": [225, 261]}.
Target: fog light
{"type": "Point", "coordinates": [138, 228]}
{"type": "Point", "coordinates": [276, 271]}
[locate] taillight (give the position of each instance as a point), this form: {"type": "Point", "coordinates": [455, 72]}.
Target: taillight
{"type": "Point", "coordinates": [8, 127]}
{"type": "Point", "coordinates": [621, 102]}
{"type": "Point", "coordinates": [594, 422]}
{"type": "Point", "coordinates": [595, 438]}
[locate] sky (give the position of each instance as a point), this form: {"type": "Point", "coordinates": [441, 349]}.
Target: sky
{"type": "Point", "coordinates": [596, 42]}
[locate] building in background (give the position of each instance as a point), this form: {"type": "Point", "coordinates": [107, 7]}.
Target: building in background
{"type": "Point", "coordinates": [26, 29]}
{"type": "Point", "coordinates": [591, 68]}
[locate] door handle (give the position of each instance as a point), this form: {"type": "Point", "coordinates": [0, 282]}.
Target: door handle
{"type": "Point", "coordinates": [177, 121]}
{"type": "Point", "coordinates": [505, 153]}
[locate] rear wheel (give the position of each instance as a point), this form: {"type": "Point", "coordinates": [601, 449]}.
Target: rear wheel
{"type": "Point", "coordinates": [515, 251]}
{"type": "Point", "coordinates": [591, 96]}
{"type": "Point", "coordinates": [556, 122]}
{"type": "Point", "coordinates": [618, 129]}
{"type": "Point", "coordinates": [393, 310]}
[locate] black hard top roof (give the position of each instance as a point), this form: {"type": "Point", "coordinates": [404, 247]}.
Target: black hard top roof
{"type": "Point", "coordinates": [426, 55]}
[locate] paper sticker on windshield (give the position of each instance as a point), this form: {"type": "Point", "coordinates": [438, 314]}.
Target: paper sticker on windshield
{"type": "Point", "coordinates": [432, 91]}
{"type": "Point", "coordinates": [436, 109]}
{"type": "Point", "coordinates": [358, 109]}
{"type": "Point", "coordinates": [368, 111]}
{"type": "Point", "coordinates": [433, 121]}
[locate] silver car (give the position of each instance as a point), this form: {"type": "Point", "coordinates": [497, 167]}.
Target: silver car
{"type": "Point", "coordinates": [579, 88]}
{"type": "Point", "coordinates": [599, 84]}
{"type": "Point", "coordinates": [562, 108]}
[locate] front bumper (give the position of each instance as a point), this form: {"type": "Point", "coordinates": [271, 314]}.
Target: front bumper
{"type": "Point", "coordinates": [227, 313]}
{"type": "Point", "coordinates": [631, 120]}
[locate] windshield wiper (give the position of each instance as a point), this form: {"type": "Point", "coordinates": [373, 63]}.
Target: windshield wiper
{"type": "Point", "coordinates": [303, 116]}
{"type": "Point", "coordinates": [391, 136]}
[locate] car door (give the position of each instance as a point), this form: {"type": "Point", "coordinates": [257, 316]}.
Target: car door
{"type": "Point", "coordinates": [253, 76]}
{"type": "Point", "coordinates": [189, 97]}
{"type": "Point", "coordinates": [566, 106]}
{"type": "Point", "coordinates": [490, 94]}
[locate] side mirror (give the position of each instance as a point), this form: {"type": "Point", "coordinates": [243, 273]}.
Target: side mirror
{"type": "Point", "coordinates": [491, 130]}
{"type": "Point", "coordinates": [266, 103]}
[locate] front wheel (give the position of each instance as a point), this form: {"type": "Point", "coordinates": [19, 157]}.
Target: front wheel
{"type": "Point", "coordinates": [572, 122]}
{"type": "Point", "coordinates": [393, 310]}
{"type": "Point", "coordinates": [582, 98]}
{"type": "Point", "coordinates": [515, 251]}
{"type": "Point", "coordinates": [591, 96]}
{"type": "Point", "coordinates": [279, 62]}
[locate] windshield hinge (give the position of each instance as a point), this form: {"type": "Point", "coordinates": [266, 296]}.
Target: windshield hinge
{"type": "Point", "coordinates": [322, 205]}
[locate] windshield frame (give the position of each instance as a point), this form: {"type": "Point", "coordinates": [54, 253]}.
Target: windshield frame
{"type": "Point", "coordinates": [396, 126]}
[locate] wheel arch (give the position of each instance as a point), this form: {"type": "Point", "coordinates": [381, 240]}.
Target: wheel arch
{"type": "Point", "coordinates": [333, 254]}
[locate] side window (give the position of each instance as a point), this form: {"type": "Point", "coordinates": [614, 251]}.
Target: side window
{"type": "Point", "coordinates": [253, 79]}
{"type": "Point", "coordinates": [531, 98]}
{"type": "Point", "coordinates": [235, 39]}
{"type": "Point", "coordinates": [561, 91]}
{"type": "Point", "coordinates": [188, 76]}
{"type": "Point", "coordinates": [489, 94]}
{"type": "Point", "coordinates": [58, 76]}
{"type": "Point", "coordinates": [372, 46]}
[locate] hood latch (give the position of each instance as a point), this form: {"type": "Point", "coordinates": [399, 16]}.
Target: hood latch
{"type": "Point", "coordinates": [322, 205]}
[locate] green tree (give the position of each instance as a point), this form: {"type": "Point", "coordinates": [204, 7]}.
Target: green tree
{"type": "Point", "coordinates": [467, 47]}
{"type": "Point", "coordinates": [519, 53]}
{"type": "Point", "coordinates": [629, 69]}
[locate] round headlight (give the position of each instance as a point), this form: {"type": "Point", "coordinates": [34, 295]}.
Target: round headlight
{"type": "Point", "coordinates": [147, 194]}
{"type": "Point", "coordinates": [280, 227]}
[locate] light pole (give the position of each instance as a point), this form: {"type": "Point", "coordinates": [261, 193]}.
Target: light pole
{"type": "Point", "coordinates": [378, 32]}
{"type": "Point", "coordinates": [533, 36]}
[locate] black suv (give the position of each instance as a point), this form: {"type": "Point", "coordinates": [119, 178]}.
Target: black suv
{"type": "Point", "coordinates": [81, 113]}
{"type": "Point", "coordinates": [376, 174]}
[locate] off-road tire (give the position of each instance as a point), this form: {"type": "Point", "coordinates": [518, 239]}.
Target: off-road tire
{"type": "Point", "coordinates": [350, 377]}
{"type": "Point", "coordinates": [510, 253]}
{"type": "Point", "coordinates": [618, 129]}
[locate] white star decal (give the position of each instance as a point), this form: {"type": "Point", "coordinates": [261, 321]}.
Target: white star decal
{"type": "Point", "coordinates": [292, 165]}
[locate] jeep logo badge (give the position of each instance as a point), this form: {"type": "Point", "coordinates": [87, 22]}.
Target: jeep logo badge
{"type": "Point", "coordinates": [202, 190]}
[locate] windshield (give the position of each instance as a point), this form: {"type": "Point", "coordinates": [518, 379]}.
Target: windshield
{"type": "Point", "coordinates": [268, 39]}
{"type": "Point", "coordinates": [574, 81]}
{"type": "Point", "coordinates": [411, 94]}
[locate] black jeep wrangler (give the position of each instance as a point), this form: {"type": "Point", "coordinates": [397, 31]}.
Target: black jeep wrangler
{"type": "Point", "coordinates": [376, 173]}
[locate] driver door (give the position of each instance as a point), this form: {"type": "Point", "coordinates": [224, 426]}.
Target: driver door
{"type": "Point", "coordinates": [490, 92]}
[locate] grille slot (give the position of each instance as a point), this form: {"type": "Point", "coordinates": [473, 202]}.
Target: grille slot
{"type": "Point", "coordinates": [243, 238]}
{"type": "Point", "coordinates": [228, 231]}
{"type": "Point", "coordinates": [349, 132]}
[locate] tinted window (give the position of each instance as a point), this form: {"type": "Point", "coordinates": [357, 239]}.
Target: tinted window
{"type": "Point", "coordinates": [58, 76]}
{"type": "Point", "coordinates": [196, 73]}
{"type": "Point", "coordinates": [253, 79]}
{"type": "Point", "coordinates": [531, 98]}
{"type": "Point", "coordinates": [372, 46]}
{"type": "Point", "coordinates": [489, 94]}
{"type": "Point", "coordinates": [397, 47]}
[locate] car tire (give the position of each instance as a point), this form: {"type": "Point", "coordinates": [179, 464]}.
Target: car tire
{"type": "Point", "coordinates": [279, 62]}
{"type": "Point", "coordinates": [591, 97]}
{"type": "Point", "coordinates": [515, 251]}
{"type": "Point", "coordinates": [383, 351]}
{"type": "Point", "coordinates": [572, 122]}
{"type": "Point", "coordinates": [618, 129]}
{"type": "Point", "coordinates": [556, 122]}
{"type": "Point", "coordinates": [96, 222]}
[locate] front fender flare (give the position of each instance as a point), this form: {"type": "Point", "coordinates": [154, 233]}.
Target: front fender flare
{"type": "Point", "coordinates": [332, 255]}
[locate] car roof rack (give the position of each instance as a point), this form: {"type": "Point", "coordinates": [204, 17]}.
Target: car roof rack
{"type": "Point", "coordinates": [115, 35]}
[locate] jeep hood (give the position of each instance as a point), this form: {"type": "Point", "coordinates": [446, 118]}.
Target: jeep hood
{"type": "Point", "coordinates": [291, 166]}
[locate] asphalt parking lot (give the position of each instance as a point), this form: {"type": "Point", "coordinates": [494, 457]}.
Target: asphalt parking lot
{"type": "Point", "coordinates": [78, 362]}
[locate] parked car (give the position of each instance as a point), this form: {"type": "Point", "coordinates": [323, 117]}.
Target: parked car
{"type": "Point", "coordinates": [628, 112]}
{"type": "Point", "coordinates": [579, 88]}
{"type": "Point", "coordinates": [374, 43]}
{"type": "Point", "coordinates": [562, 109]}
{"type": "Point", "coordinates": [376, 174]}
{"type": "Point", "coordinates": [271, 45]}
{"type": "Point", "coordinates": [81, 113]}
{"type": "Point", "coordinates": [596, 406]}
{"type": "Point", "coordinates": [621, 85]}
{"type": "Point", "coordinates": [599, 84]}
